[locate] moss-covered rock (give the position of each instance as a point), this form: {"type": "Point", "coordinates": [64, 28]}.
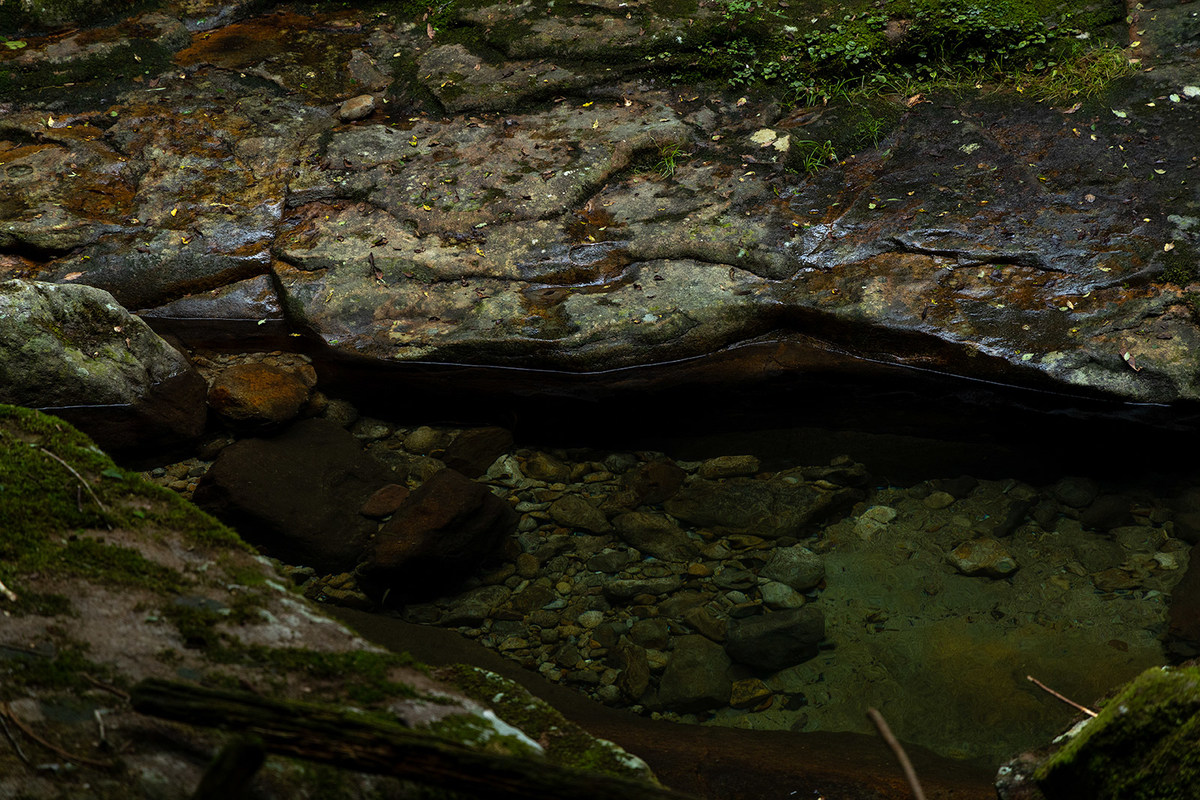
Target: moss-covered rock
{"type": "Point", "coordinates": [1144, 745]}
{"type": "Point", "coordinates": [108, 580]}
{"type": "Point", "coordinates": [69, 346]}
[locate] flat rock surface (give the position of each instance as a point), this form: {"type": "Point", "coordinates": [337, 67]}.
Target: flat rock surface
{"type": "Point", "coordinates": [527, 194]}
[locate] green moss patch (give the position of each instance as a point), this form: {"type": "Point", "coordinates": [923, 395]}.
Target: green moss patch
{"type": "Point", "coordinates": [53, 481]}
{"type": "Point", "coordinates": [1144, 745]}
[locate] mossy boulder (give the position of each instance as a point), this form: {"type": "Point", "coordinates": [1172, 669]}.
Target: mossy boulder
{"type": "Point", "coordinates": [73, 348]}
{"type": "Point", "coordinates": [1143, 745]}
{"type": "Point", "coordinates": [109, 580]}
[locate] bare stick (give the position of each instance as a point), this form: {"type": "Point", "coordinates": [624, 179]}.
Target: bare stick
{"type": "Point", "coordinates": [910, 774]}
{"type": "Point", "coordinates": [6, 711]}
{"type": "Point", "coordinates": [106, 687]}
{"type": "Point", "coordinates": [77, 475]}
{"type": "Point", "coordinates": [7, 592]}
{"type": "Point", "coordinates": [12, 740]}
{"type": "Point", "coordinates": [1068, 701]}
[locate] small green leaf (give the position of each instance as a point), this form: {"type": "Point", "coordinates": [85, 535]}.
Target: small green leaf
{"type": "Point", "coordinates": [115, 474]}
{"type": "Point", "coordinates": [14, 45]}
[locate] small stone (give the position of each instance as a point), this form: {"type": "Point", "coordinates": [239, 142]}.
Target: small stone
{"type": "Point", "coordinates": [750, 693]}
{"type": "Point", "coordinates": [779, 595]}
{"type": "Point", "coordinates": [357, 108]}
{"type": "Point", "coordinates": [705, 623]}
{"type": "Point", "coordinates": [545, 467]}
{"type": "Point", "coordinates": [985, 557]}
{"type": "Point", "coordinates": [424, 440]}
{"type": "Point", "coordinates": [939, 500]}
{"type": "Point", "coordinates": [729, 467]}
{"type": "Point", "coordinates": [699, 570]}
{"type": "Point", "coordinates": [1075, 492]}
{"type": "Point", "coordinates": [654, 634]}
{"type": "Point", "coordinates": [527, 565]}
{"type": "Point", "coordinates": [590, 619]}
{"type": "Point", "coordinates": [874, 520]}
{"type": "Point", "coordinates": [796, 566]}
{"type": "Point", "coordinates": [573, 511]}
{"type": "Point", "coordinates": [1110, 580]}
{"type": "Point", "coordinates": [624, 589]}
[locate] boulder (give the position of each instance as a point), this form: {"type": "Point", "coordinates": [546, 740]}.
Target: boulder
{"type": "Point", "coordinates": [697, 676]}
{"type": "Point", "coordinates": [1106, 512]}
{"type": "Point", "coordinates": [982, 557]}
{"type": "Point", "coordinates": [545, 467]}
{"type": "Point", "coordinates": [655, 535]}
{"type": "Point", "coordinates": [1141, 745]}
{"type": "Point", "coordinates": [573, 511]}
{"type": "Point", "coordinates": [798, 567]}
{"type": "Point", "coordinates": [777, 640]}
{"type": "Point", "coordinates": [297, 496]}
{"type": "Point", "coordinates": [634, 677]}
{"type": "Point", "coordinates": [441, 532]}
{"type": "Point", "coordinates": [259, 396]}
{"type": "Point", "coordinates": [74, 351]}
{"type": "Point", "coordinates": [769, 508]}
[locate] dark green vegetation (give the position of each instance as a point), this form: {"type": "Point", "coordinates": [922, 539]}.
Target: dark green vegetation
{"type": "Point", "coordinates": [54, 481]}
{"type": "Point", "coordinates": [1144, 745]}
{"type": "Point", "coordinates": [818, 51]}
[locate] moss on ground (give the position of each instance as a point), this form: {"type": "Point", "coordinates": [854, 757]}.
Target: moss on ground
{"type": "Point", "coordinates": [1144, 745]}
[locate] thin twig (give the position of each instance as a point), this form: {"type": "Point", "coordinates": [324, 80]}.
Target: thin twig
{"type": "Point", "coordinates": [1066, 700]}
{"type": "Point", "coordinates": [106, 687]}
{"type": "Point", "coordinates": [7, 592]}
{"type": "Point", "coordinates": [12, 739]}
{"type": "Point", "coordinates": [6, 711]}
{"type": "Point", "coordinates": [86, 485]}
{"type": "Point", "coordinates": [910, 774]}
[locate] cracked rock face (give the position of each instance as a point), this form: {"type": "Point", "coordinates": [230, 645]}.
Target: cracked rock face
{"type": "Point", "coordinates": [499, 208]}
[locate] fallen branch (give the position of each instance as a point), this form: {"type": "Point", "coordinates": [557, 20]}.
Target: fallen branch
{"type": "Point", "coordinates": [7, 592]}
{"type": "Point", "coordinates": [910, 774]}
{"type": "Point", "coordinates": [352, 741]}
{"type": "Point", "coordinates": [1066, 700]}
{"type": "Point", "coordinates": [7, 712]}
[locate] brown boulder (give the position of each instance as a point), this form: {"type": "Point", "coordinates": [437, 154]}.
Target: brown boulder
{"type": "Point", "coordinates": [258, 395]}
{"type": "Point", "coordinates": [442, 532]}
{"type": "Point", "coordinates": [297, 496]}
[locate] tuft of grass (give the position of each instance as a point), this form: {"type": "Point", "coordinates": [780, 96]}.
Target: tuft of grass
{"type": "Point", "coordinates": [669, 156]}
{"type": "Point", "coordinates": [1080, 78]}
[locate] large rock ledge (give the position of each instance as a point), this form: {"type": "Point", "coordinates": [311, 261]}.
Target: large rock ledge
{"type": "Point", "coordinates": [516, 189]}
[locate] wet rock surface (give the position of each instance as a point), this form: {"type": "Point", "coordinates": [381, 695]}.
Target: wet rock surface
{"type": "Point", "coordinates": [505, 219]}
{"type": "Point", "coordinates": [887, 600]}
